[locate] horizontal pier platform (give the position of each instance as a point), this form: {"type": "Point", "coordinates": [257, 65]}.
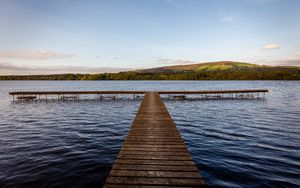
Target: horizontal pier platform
{"type": "Point", "coordinates": [135, 92]}
{"type": "Point", "coordinates": [75, 95]}
{"type": "Point", "coordinates": [153, 153]}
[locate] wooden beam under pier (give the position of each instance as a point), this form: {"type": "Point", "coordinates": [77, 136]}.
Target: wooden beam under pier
{"type": "Point", "coordinates": [208, 94]}
{"type": "Point", "coordinates": [135, 92]}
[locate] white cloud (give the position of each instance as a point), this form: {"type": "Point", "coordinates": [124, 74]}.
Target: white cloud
{"type": "Point", "coordinates": [228, 19]}
{"type": "Point", "coordinates": [30, 54]}
{"type": "Point", "coordinates": [181, 3]}
{"type": "Point", "coordinates": [13, 69]}
{"type": "Point", "coordinates": [271, 47]}
{"type": "Point", "coordinates": [263, 2]}
{"type": "Point", "coordinates": [169, 61]}
{"type": "Point", "coordinates": [287, 62]}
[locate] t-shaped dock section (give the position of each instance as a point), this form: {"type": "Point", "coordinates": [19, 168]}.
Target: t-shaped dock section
{"type": "Point", "coordinates": [154, 154]}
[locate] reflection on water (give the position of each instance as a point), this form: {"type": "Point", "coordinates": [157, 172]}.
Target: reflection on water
{"type": "Point", "coordinates": [249, 143]}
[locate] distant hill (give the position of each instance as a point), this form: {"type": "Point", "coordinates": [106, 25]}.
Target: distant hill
{"type": "Point", "coordinates": [224, 70]}
{"type": "Point", "coordinates": [211, 66]}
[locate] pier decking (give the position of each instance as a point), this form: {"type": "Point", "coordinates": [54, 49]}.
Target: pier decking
{"type": "Point", "coordinates": [153, 154]}
{"type": "Point", "coordinates": [75, 95]}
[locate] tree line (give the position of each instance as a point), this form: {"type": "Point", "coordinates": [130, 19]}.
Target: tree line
{"type": "Point", "coordinates": [275, 73]}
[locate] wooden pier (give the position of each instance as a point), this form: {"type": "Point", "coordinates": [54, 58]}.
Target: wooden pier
{"type": "Point", "coordinates": [153, 154]}
{"type": "Point", "coordinates": [99, 95]}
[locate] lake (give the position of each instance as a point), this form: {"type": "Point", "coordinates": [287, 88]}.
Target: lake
{"type": "Point", "coordinates": [235, 143]}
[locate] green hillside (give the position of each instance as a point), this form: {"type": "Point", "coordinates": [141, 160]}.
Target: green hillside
{"type": "Point", "coordinates": [224, 70]}
{"type": "Point", "coordinates": [212, 66]}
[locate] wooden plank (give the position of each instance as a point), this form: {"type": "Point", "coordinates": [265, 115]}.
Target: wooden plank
{"type": "Point", "coordinates": [154, 149]}
{"type": "Point", "coordinates": [155, 181]}
{"type": "Point", "coordinates": [169, 168]}
{"type": "Point", "coordinates": [151, 157]}
{"type": "Point", "coordinates": [153, 174]}
{"type": "Point", "coordinates": [141, 186]}
{"type": "Point", "coordinates": [155, 162]}
{"type": "Point", "coordinates": [147, 142]}
{"type": "Point", "coordinates": [153, 137]}
{"type": "Point", "coordinates": [155, 141]}
{"type": "Point", "coordinates": [154, 146]}
{"type": "Point", "coordinates": [154, 154]}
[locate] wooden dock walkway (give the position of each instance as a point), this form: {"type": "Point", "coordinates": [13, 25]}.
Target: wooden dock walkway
{"type": "Point", "coordinates": [154, 154]}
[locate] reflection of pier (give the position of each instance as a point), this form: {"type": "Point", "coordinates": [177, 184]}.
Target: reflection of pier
{"type": "Point", "coordinates": [102, 95]}
{"type": "Point", "coordinates": [153, 154]}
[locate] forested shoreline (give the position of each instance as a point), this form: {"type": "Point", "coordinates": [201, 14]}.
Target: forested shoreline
{"type": "Point", "coordinates": [246, 74]}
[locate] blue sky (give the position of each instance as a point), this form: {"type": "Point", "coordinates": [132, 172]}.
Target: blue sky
{"type": "Point", "coordinates": [57, 36]}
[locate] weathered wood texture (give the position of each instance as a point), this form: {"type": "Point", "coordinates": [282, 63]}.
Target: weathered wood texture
{"type": "Point", "coordinates": [135, 92]}
{"type": "Point", "coordinates": [154, 154]}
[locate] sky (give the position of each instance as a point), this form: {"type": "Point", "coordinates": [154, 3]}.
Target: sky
{"type": "Point", "coordinates": [91, 36]}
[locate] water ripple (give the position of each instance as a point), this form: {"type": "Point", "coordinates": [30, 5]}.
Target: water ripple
{"type": "Point", "coordinates": [235, 143]}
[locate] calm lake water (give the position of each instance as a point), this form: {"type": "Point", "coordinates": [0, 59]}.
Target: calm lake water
{"type": "Point", "coordinates": [235, 143]}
